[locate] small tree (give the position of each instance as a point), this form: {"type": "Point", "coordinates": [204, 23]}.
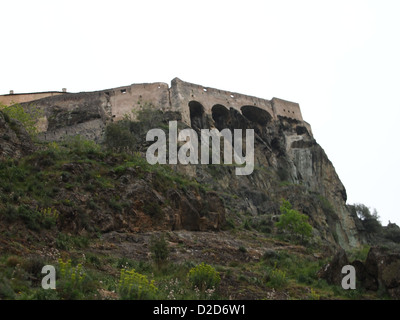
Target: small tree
{"type": "Point", "coordinates": [294, 222]}
{"type": "Point", "coordinates": [370, 220]}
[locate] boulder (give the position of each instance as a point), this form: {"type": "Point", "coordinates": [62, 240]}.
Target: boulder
{"type": "Point", "coordinates": [383, 271]}
{"type": "Point", "coordinates": [332, 272]}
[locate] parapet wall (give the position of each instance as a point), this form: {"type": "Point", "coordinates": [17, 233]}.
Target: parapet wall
{"type": "Point", "coordinates": [9, 99]}
{"type": "Point", "coordinates": [287, 109]}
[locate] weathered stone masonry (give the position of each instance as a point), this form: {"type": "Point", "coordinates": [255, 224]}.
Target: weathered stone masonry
{"type": "Point", "coordinates": [87, 113]}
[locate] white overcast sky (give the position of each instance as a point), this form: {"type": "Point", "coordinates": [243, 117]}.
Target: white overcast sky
{"type": "Point", "coordinates": [339, 59]}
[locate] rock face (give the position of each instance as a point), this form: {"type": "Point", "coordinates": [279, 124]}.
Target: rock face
{"type": "Point", "coordinates": [379, 272]}
{"type": "Point", "coordinates": [15, 142]}
{"type": "Point", "coordinates": [67, 115]}
{"type": "Point", "coordinates": [146, 202]}
{"type": "Point", "coordinates": [289, 163]}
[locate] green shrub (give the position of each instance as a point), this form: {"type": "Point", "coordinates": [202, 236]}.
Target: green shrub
{"type": "Point", "coordinates": [66, 242]}
{"type": "Point", "coordinates": [276, 278]}
{"type": "Point", "coordinates": [203, 277]}
{"type": "Point", "coordinates": [359, 253]}
{"type": "Point", "coordinates": [242, 249]}
{"type": "Point", "coordinates": [262, 224]}
{"type": "Point", "coordinates": [80, 145]}
{"type": "Point", "coordinates": [159, 250]}
{"type": "Point", "coordinates": [247, 224]}
{"type": "Point", "coordinates": [229, 224]}
{"type": "Point", "coordinates": [6, 289]}
{"type": "Point", "coordinates": [30, 217]}
{"type": "Point", "coordinates": [124, 263]}
{"type": "Point", "coordinates": [293, 222]}
{"type": "Point", "coordinates": [370, 220]}
{"type": "Point", "coordinates": [136, 286]}
{"type": "Point", "coordinates": [34, 219]}
{"type": "Point", "coordinates": [5, 115]}
{"type": "Point", "coordinates": [326, 205]}
{"type": "Point", "coordinates": [73, 282]}
{"type": "Point", "coordinates": [33, 266]}
{"type": "Point", "coordinates": [93, 259]}
{"type": "Point", "coordinates": [75, 274]}
{"type": "Point", "coordinates": [119, 138]}
{"type": "Point", "coordinates": [48, 217]}
{"type": "Point", "coordinates": [313, 295]}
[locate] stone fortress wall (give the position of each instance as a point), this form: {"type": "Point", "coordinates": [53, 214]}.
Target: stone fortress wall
{"type": "Point", "coordinates": [13, 98]}
{"type": "Point", "coordinates": [87, 113]}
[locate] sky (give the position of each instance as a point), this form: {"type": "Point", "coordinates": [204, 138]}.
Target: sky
{"type": "Point", "coordinates": [340, 60]}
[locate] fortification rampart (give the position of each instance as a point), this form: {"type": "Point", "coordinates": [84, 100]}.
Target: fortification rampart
{"type": "Point", "coordinates": [87, 113]}
{"type": "Point", "coordinates": [183, 93]}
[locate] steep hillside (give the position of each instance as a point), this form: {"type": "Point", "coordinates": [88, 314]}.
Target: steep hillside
{"type": "Point", "coordinates": [289, 162]}
{"type": "Point", "coordinates": [102, 207]}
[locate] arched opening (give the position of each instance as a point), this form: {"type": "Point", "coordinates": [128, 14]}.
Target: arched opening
{"type": "Point", "coordinates": [197, 115]}
{"type": "Point", "coordinates": [256, 115]}
{"type": "Point", "coordinates": [220, 115]}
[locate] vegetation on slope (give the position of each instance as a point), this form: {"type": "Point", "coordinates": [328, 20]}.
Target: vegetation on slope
{"type": "Point", "coordinates": [50, 199]}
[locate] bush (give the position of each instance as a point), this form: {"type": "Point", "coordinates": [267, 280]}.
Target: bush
{"type": "Point", "coordinates": [159, 250]}
{"type": "Point", "coordinates": [203, 277]}
{"type": "Point", "coordinates": [360, 253]}
{"type": "Point", "coordinates": [48, 217]}
{"type": "Point", "coordinates": [135, 286]}
{"type": "Point", "coordinates": [73, 281]}
{"type": "Point", "coordinates": [276, 278]}
{"type": "Point", "coordinates": [34, 219]}
{"type": "Point", "coordinates": [6, 290]}
{"type": "Point", "coordinates": [326, 205]}
{"type": "Point", "coordinates": [66, 242]}
{"type": "Point", "coordinates": [118, 137]}
{"type": "Point", "coordinates": [370, 221]}
{"type": "Point", "coordinates": [80, 145]}
{"type": "Point", "coordinates": [293, 222]}
{"type": "Point", "coordinates": [30, 217]}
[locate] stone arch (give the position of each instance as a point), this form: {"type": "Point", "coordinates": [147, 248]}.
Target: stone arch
{"type": "Point", "coordinates": [197, 115]}
{"type": "Point", "coordinates": [220, 115]}
{"type": "Point", "coordinates": [256, 114]}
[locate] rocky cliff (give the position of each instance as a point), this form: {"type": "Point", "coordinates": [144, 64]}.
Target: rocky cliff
{"type": "Point", "coordinates": [289, 164]}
